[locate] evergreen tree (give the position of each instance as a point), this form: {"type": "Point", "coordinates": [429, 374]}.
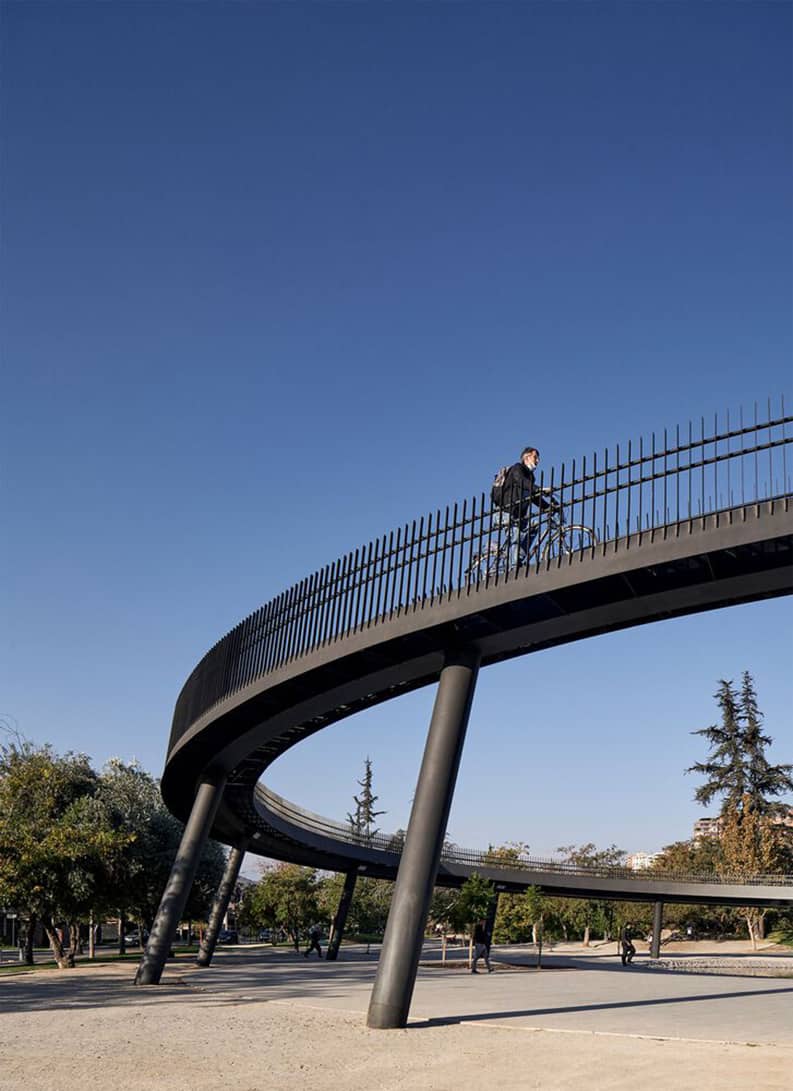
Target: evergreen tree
{"type": "Point", "coordinates": [739, 771]}
{"type": "Point", "coordinates": [362, 819]}
{"type": "Point", "coordinates": [762, 779]}
{"type": "Point", "coordinates": [737, 768]}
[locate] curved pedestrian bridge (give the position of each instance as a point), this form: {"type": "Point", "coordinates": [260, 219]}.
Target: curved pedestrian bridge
{"type": "Point", "coordinates": [378, 856]}
{"type": "Point", "coordinates": [682, 522]}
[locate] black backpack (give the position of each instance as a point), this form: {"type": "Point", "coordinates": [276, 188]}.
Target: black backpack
{"type": "Point", "coordinates": [497, 488]}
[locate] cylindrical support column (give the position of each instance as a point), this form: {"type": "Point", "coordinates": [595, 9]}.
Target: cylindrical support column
{"type": "Point", "coordinates": [658, 923]}
{"type": "Point", "coordinates": [340, 919]}
{"type": "Point", "coordinates": [407, 919]}
{"type": "Point", "coordinates": [220, 904]}
{"type": "Point", "coordinates": [180, 881]}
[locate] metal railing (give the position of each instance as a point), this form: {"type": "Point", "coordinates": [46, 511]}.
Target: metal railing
{"type": "Point", "coordinates": [492, 858]}
{"type": "Point", "coordinates": [625, 496]}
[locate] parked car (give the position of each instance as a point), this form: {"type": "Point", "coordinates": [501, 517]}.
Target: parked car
{"type": "Point", "coordinates": [133, 938]}
{"type": "Point", "coordinates": [228, 935]}
{"type": "Point", "coordinates": [264, 935]}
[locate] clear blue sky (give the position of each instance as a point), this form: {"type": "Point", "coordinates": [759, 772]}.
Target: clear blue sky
{"type": "Point", "coordinates": [276, 278]}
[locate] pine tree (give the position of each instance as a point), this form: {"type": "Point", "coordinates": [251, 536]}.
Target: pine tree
{"type": "Point", "coordinates": [739, 771]}
{"type": "Point", "coordinates": [362, 819]}
{"type": "Point", "coordinates": [763, 780]}
{"type": "Point", "coordinates": [737, 768]}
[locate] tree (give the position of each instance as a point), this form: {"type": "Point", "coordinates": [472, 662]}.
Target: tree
{"type": "Point", "coordinates": [56, 842]}
{"type": "Point", "coordinates": [737, 767]}
{"type": "Point", "coordinates": [369, 907]}
{"type": "Point", "coordinates": [738, 770]}
{"type": "Point", "coordinates": [476, 895]}
{"type": "Point", "coordinates": [362, 819]}
{"type": "Point", "coordinates": [286, 897]}
{"type": "Point", "coordinates": [134, 885]}
{"type": "Point", "coordinates": [586, 914]}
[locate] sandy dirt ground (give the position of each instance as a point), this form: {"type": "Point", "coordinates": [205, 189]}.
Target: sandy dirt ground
{"type": "Point", "coordinates": [92, 1029]}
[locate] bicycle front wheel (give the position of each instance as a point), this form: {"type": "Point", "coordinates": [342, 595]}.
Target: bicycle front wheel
{"type": "Point", "coordinates": [567, 542]}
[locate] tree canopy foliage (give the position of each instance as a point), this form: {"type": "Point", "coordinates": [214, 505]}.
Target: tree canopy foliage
{"type": "Point", "coordinates": [76, 845]}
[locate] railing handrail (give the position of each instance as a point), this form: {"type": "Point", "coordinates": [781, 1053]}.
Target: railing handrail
{"type": "Point", "coordinates": [430, 558]}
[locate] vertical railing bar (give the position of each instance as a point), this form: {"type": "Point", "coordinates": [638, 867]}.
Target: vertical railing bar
{"type": "Point", "coordinates": [756, 465]}
{"type": "Point", "coordinates": [270, 640]}
{"type": "Point", "coordinates": [629, 502]}
{"type": "Point", "coordinates": [336, 601]}
{"type": "Point", "coordinates": [593, 519]}
{"type": "Point", "coordinates": [666, 478]}
{"type": "Point", "coordinates": [702, 475]}
{"type": "Point", "coordinates": [435, 550]}
{"type": "Point", "coordinates": [290, 623]}
{"type": "Point", "coordinates": [327, 623]}
{"type": "Point", "coordinates": [770, 430]}
{"type": "Point", "coordinates": [426, 560]}
{"type": "Point", "coordinates": [416, 565]}
{"type": "Point", "coordinates": [285, 626]}
{"type": "Point", "coordinates": [381, 578]}
{"type": "Point", "coordinates": [405, 567]}
{"type": "Point", "coordinates": [461, 550]}
{"type": "Point", "coordinates": [677, 481]}
{"type": "Point", "coordinates": [785, 487]}
{"type": "Point", "coordinates": [369, 585]}
{"type": "Point", "coordinates": [537, 544]}
{"type": "Point", "coordinates": [652, 493]}
{"type": "Point", "coordinates": [690, 475]}
{"type": "Point", "coordinates": [393, 561]}
{"type": "Point", "coordinates": [349, 591]}
{"type": "Point", "coordinates": [319, 603]}
{"type": "Point", "coordinates": [716, 468]}
{"type": "Point", "coordinates": [617, 503]}
{"type": "Point", "coordinates": [582, 518]}
{"type": "Point", "coordinates": [359, 582]}
{"type": "Point", "coordinates": [297, 619]}
{"type": "Point", "coordinates": [481, 525]}
{"type": "Point", "coordinates": [277, 604]}
{"type": "Point", "coordinates": [261, 642]}
{"type": "Point", "coordinates": [305, 614]}
{"type": "Point", "coordinates": [605, 497]}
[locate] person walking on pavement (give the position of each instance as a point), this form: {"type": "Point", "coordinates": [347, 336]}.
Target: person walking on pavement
{"type": "Point", "coordinates": [626, 941]}
{"type": "Point", "coordinates": [481, 947]}
{"type": "Point", "coordinates": [314, 945]}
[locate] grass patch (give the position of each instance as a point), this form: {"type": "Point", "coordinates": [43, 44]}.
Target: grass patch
{"type": "Point", "coordinates": [11, 968]}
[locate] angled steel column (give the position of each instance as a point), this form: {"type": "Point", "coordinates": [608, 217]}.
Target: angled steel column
{"type": "Point", "coordinates": [407, 919]}
{"type": "Point", "coordinates": [180, 881]}
{"type": "Point", "coordinates": [658, 922]}
{"type": "Point", "coordinates": [221, 904]}
{"type": "Point", "coordinates": [340, 919]}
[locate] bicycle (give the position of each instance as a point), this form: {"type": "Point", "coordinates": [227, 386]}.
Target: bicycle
{"type": "Point", "coordinates": [550, 537]}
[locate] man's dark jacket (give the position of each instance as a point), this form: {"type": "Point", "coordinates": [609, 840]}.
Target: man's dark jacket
{"type": "Point", "coordinates": [520, 492]}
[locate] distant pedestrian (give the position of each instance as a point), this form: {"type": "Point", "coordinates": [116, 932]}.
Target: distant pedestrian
{"type": "Point", "coordinates": [626, 941]}
{"type": "Point", "coordinates": [481, 947]}
{"type": "Point", "coordinates": [314, 934]}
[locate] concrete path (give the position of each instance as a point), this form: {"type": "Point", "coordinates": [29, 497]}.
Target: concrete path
{"type": "Point", "coordinates": [273, 1019]}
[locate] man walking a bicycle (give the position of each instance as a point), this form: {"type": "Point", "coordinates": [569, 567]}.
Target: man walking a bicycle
{"type": "Point", "coordinates": [512, 500]}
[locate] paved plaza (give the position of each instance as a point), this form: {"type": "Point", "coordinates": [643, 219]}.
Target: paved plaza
{"type": "Point", "coordinates": [265, 1018]}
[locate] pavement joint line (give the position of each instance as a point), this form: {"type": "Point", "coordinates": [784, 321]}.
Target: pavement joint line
{"type": "Point", "coordinates": [627, 1034]}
